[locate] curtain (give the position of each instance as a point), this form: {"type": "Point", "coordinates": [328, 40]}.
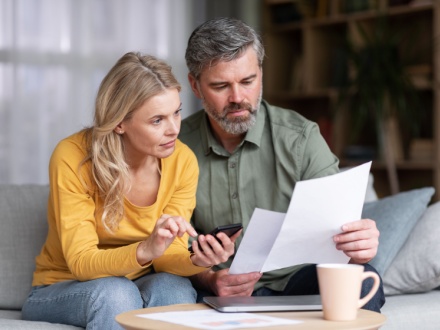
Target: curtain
{"type": "Point", "coordinates": [54, 54]}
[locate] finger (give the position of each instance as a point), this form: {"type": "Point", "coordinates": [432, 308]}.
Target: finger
{"type": "Point", "coordinates": [190, 229]}
{"type": "Point", "coordinates": [352, 236]}
{"type": "Point", "coordinates": [224, 239]}
{"type": "Point", "coordinates": [240, 279]}
{"type": "Point", "coordinates": [361, 256]}
{"type": "Point", "coordinates": [184, 227]}
{"type": "Point", "coordinates": [164, 233]}
{"type": "Point", "coordinates": [358, 245]}
{"type": "Point", "coordinates": [358, 225]}
{"type": "Point", "coordinates": [236, 235]}
{"type": "Point", "coordinates": [239, 285]}
{"type": "Point", "coordinates": [224, 249]}
{"type": "Point", "coordinates": [203, 244]}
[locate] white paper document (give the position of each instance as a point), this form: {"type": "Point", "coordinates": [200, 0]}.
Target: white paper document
{"type": "Point", "coordinates": [211, 319]}
{"type": "Point", "coordinates": [317, 210]}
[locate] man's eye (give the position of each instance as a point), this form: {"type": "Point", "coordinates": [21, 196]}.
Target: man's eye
{"type": "Point", "coordinates": [177, 113]}
{"type": "Point", "coordinates": [247, 82]}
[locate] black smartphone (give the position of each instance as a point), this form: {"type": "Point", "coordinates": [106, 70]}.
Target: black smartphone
{"type": "Point", "coordinates": [227, 229]}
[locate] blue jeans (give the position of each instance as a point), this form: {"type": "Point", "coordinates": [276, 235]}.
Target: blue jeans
{"type": "Point", "coordinates": [94, 304]}
{"type": "Point", "coordinates": [305, 282]}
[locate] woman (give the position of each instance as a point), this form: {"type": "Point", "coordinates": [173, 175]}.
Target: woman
{"type": "Point", "coordinates": [121, 195]}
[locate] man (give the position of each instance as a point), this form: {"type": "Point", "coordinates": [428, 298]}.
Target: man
{"type": "Point", "coordinates": [251, 154]}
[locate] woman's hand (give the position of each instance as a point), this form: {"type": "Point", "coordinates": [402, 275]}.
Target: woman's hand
{"type": "Point", "coordinates": [167, 228]}
{"type": "Point", "coordinates": [213, 253]}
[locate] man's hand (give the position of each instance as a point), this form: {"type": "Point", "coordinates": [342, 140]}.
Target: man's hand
{"type": "Point", "coordinates": [359, 240]}
{"type": "Point", "coordinates": [221, 283]}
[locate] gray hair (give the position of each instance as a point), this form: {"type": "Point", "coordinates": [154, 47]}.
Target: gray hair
{"type": "Point", "coordinates": [220, 39]}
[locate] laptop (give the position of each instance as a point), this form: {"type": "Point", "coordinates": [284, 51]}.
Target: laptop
{"type": "Point", "coordinates": [264, 303]}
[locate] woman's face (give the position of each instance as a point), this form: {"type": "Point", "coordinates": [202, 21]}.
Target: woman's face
{"type": "Point", "coordinates": [153, 128]}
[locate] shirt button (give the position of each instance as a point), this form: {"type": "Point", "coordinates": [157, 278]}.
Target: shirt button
{"type": "Point", "coordinates": [234, 196]}
{"type": "Point", "coordinates": [232, 165]}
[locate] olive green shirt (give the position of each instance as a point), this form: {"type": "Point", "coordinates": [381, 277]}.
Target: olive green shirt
{"type": "Point", "coordinates": [281, 149]}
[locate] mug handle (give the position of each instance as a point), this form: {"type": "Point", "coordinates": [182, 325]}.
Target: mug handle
{"type": "Point", "coordinates": [373, 290]}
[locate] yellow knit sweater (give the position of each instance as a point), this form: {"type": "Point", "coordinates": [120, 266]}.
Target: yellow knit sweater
{"type": "Point", "coordinates": [79, 248]}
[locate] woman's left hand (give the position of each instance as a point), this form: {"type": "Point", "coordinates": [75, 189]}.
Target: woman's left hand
{"type": "Point", "coordinates": [212, 252]}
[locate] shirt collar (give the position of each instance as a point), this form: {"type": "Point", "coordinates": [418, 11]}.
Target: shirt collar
{"type": "Point", "coordinates": [253, 136]}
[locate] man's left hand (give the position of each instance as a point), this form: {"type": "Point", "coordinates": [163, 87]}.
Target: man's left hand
{"type": "Point", "coordinates": [359, 240]}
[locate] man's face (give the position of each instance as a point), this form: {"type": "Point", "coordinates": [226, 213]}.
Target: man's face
{"type": "Point", "coordinates": [231, 93]}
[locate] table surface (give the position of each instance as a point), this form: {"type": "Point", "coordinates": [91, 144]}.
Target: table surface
{"type": "Point", "coordinates": [312, 320]}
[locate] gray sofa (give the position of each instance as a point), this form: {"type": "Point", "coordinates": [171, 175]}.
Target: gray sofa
{"type": "Point", "coordinates": [23, 231]}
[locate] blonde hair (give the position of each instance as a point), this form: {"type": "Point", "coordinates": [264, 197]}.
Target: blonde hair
{"type": "Point", "coordinates": [130, 82]}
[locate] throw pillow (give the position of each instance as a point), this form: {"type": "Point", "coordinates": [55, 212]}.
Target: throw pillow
{"type": "Point", "coordinates": [395, 217]}
{"type": "Point", "coordinates": [416, 267]}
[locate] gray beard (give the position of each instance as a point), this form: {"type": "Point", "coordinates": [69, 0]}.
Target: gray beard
{"type": "Point", "coordinates": [234, 126]}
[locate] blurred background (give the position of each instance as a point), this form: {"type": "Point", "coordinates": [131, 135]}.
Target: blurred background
{"type": "Point", "coordinates": [367, 71]}
{"type": "Point", "coordinates": [54, 54]}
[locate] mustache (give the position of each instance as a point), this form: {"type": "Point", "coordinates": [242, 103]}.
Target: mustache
{"type": "Point", "coordinates": [238, 106]}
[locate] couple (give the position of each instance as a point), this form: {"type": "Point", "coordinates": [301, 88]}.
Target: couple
{"type": "Point", "coordinates": [122, 191]}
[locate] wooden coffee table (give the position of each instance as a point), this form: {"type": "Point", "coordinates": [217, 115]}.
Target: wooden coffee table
{"type": "Point", "coordinates": [311, 320]}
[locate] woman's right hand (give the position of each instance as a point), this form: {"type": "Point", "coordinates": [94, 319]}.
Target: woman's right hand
{"type": "Point", "coordinates": [167, 228]}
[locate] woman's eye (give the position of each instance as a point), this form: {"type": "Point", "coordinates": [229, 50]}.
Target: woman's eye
{"type": "Point", "coordinates": [157, 121]}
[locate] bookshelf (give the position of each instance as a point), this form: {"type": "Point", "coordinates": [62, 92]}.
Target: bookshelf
{"type": "Point", "coordinates": [305, 70]}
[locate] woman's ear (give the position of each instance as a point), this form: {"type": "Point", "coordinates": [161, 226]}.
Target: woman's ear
{"type": "Point", "coordinates": [118, 129]}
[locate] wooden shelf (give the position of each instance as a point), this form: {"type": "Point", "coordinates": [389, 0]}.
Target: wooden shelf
{"type": "Point", "coordinates": [406, 165]}
{"type": "Point", "coordinates": [300, 72]}
{"type": "Point", "coordinates": [344, 18]}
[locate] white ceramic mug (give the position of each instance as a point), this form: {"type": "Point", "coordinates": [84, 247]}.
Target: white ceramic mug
{"type": "Point", "coordinates": [340, 288]}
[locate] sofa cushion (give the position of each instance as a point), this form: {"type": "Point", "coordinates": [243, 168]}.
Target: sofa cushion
{"type": "Point", "coordinates": [23, 231]}
{"type": "Point", "coordinates": [7, 324]}
{"type": "Point", "coordinates": [412, 312]}
{"type": "Point", "coordinates": [395, 217]}
{"type": "Point", "coordinates": [416, 267]}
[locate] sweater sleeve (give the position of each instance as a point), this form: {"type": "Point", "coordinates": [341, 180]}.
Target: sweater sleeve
{"type": "Point", "coordinates": [74, 208]}
{"type": "Point", "coordinates": [176, 259]}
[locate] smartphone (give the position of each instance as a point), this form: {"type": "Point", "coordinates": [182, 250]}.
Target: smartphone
{"type": "Point", "coordinates": [227, 229]}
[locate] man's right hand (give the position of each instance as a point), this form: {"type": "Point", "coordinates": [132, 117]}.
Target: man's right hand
{"type": "Point", "coordinates": [221, 283]}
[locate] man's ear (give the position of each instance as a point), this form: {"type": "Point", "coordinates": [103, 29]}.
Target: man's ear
{"type": "Point", "coordinates": [194, 86]}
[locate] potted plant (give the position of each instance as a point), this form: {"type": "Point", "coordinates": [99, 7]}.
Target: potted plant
{"type": "Point", "coordinates": [379, 92]}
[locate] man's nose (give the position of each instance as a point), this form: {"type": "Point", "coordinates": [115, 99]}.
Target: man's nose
{"type": "Point", "coordinates": [236, 95]}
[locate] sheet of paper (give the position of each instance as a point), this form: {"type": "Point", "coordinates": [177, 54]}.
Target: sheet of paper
{"type": "Point", "coordinates": [255, 246]}
{"type": "Point", "coordinates": [211, 319]}
{"type": "Point", "coordinates": [317, 210]}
